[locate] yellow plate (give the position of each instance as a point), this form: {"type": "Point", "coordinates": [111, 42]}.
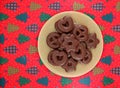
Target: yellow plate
{"type": "Point", "coordinates": [49, 27]}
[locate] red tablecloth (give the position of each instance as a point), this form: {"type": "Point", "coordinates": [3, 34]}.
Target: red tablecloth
{"type": "Point", "coordinates": [20, 24]}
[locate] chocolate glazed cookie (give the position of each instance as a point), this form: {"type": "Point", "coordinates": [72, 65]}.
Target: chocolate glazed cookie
{"type": "Point", "coordinates": [57, 28]}
{"type": "Point", "coordinates": [87, 58]}
{"type": "Point", "coordinates": [80, 32]}
{"type": "Point", "coordinates": [92, 41]}
{"type": "Point", "coordinates": [52, 40]}
{"type": "Point", "coordinates": [64, 25]}
{"type": "Point", "coordinates": [69, 43]}
{"type": "Point", "coordinates": [57, 58]}
{"type": "Point", "coordinates": [79, 53]}
{"type": "Point", "coordinates": [50, 58]}
{"type": "Point", "coordinates": [70, 65]}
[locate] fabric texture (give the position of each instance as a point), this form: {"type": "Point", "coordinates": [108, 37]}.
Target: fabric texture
{"type": "Point", "coordinates": [20, 24]}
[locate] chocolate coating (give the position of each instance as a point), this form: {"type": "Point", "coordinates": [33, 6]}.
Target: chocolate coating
{"type": "Point", "coordinates": [79, 53]}
{"type": "Point", "coordinates": [70, 65]}
{"type": "Point", "coordinates": [56, 27]}
{"type": "Point", "coordinates": [64, 25]}
{"type": "Point", "coordinates": [70, 43]}
{"type": "Point", "coordinates": [92, 41]}
{"type": "Point", "coordinates": [61, 38]}
{"type": "Point", "coordinates": [81, 32]}
{"type": "Point", "coordinates": [88, 57]}
{"type": "Point", "coordinates": [50, 59]}
{"type": "Point", "coordinates": [52, 40]}
{"type": "Point", "coordinates": [59, 57]}
{"type": "Point", "coordinates": [84, 44]}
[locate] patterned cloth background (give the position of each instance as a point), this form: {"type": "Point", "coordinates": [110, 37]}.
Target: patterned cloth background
{"type": "Point", "coordinates": [20, 24]}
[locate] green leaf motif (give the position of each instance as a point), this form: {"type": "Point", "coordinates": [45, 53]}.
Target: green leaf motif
{"type": "Point", "coordinates": [2, 82]}
{"type": "Point", "coordinates": [3, 16]}
{"type": "Point", "coordinates": [108, 39]}
{"type": "Point", "coordinates": [21, 60]}
{"type": "Point", "coordinates": [2, 38]}
{"type": "Point", "coordinates": [44, 17]}
{"type": "Point", "coordinates": [44, 81]}
{"type": "Point", "coordinates": [3, 60]}
{"type": "Point", "coordinates": [85, 81]}
{"type": "Point", "coordinates": [22, 17]}
{"type": "Point", "coordinates": [23, 81]}
{"type": "Point", "coordinates": [107, 60]}
{"type": "Point", "coordinates": [22, 38]}
{"type": "Point", "coordinates": [65, 81]}
{"type": "Point", "coordinates": [108, 17]}
{"type": "Point", "coordinates": [107, 80]}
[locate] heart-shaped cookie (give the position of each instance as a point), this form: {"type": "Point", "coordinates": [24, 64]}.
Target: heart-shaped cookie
{"type": "Point", "coordinates": [79, 53]}
{"type": "Point", "coordinates": [64, 25]}
{"type": "Point", "coordinates": [59, 57]}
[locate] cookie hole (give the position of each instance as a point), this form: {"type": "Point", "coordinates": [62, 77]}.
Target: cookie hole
{"type": "Point", "coordinates": [79, 52]}
{"type": "Point", "coordinates": [51, 58]}
{"type": "Point", "coordinates": [60, 48]}
{"type": "Point", "coordinates": [69, 43]}
{"type": "Point", "coordinates": [56, 37]}
{"type": "Point", "coordinates": [77, 33]}
{"type": "Point", "coordinates": [69, 64]}
{"type": "Point", "coordinates": [82, 36]}
{"type": "Point", "coordinates": [81, 60]}
{"type": "Point", "coordinates": [90, 41]}
{"type": "Point", "coordinates": [51, 39]}
{"type": "Point", "coordinates": [54, 43]}
{"type": "Point", "coordinates": [59, 58]}
{"type": "Point", "coordinates": [86, 58]}
{"type": "Point", "coordinates": [66, 24]}
{"type": "Point", "coordinates": [82, 30]}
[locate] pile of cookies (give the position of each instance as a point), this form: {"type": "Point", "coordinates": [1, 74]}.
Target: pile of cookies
{"type": "Point", "coordinates": [71, 44]}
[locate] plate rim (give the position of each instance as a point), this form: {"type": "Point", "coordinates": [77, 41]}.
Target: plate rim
{"type": "Point", "coordinates": [89, 19]}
